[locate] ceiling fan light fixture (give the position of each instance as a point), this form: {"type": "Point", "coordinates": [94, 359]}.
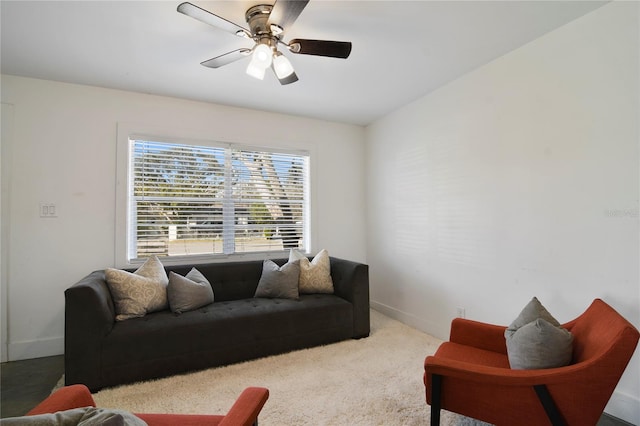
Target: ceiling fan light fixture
{"type": "Point", "coordinates": [267, 23]}
{"type": "Point", "coordinates": [255, 71]}
{"type": "Point", "coordinates": [281, 65]}
{"type": "Point", "coordinates": [262, 56]}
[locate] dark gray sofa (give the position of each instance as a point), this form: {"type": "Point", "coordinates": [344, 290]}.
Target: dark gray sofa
{"type": "Point", "coordinates": [102, 352]}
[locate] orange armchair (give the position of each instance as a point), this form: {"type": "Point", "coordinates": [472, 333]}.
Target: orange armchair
{"type": "Point", "coordinates": [470, 373]}
{"type": "Point", "coordinates": [244, 411]}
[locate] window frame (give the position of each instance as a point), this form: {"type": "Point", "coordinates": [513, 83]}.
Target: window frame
{"type": "Point", "coordinates": [125, 229]}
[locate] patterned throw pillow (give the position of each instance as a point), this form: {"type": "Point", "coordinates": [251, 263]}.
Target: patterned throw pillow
{"type": "Point", "coordinates": [138, 293]}
{"type": "Point", "coordinates": [315, 276]}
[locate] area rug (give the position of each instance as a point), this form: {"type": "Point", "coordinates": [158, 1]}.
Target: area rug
{"type": "Point", "coordinates": [371, 381]}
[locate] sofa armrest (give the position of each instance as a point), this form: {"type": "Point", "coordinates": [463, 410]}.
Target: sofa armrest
{"type": "Point", "coordinates": [478, 335]}
{"type": "Point", "coordinates": [245, 410]}
{"type": "Point", "coordinates": [89, 316]}
{"type": "Point", "coordinates": [65, 398]}
{"type": "Point", "coordinates": [351, 282]}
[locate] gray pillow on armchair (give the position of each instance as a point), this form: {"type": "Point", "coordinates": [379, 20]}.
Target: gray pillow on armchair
{"type": "Point", "coordinates": [535, 339]}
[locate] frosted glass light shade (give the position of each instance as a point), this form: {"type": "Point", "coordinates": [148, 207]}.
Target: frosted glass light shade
{"type": "Point", "coordinates": [282, 66]}
{"type": "Point", "coordinates": [255, 71]}
{"type": "Point", "coordinates": [262, 56]}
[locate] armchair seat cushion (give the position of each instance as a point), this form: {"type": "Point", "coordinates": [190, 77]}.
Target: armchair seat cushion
{"type": "Point", "coordinates": [222, 331]}
{"type": "Point", "coordinates": [472, 355]}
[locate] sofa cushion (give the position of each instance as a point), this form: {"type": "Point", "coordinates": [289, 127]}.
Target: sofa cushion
{"type": "Point", "coordinates": [221, 333]}
{"type": "Point", "coordinates": [189, 292]}
{"type": "Point", "coordinates": [315, 275]}
{"type": "Point", "coordinates": [137, 293]}
{"type": "Point", "coordinates": [229, 280]}
{"type": "Point", "coordinates": [279, 282]}
{"type": "Point", "coordinates": [535, 339]}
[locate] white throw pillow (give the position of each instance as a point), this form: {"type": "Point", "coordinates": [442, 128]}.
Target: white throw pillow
{"type": "Point", "coordinates": [138, 293]}
{"type": "Point", "coordinates": [315, 276]}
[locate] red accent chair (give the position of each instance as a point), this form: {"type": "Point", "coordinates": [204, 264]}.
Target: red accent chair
{"type": "Point", "coordinates": [470, 373]}
{"type": "Point", "coordinates": [244, 411]}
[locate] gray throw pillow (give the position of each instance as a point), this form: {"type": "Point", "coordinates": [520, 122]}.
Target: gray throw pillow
{"type": "Point", "coordinates": [79, 417]}
{"type": "Point", "coordinates": [279, 282]}
{"type": "Point", "coordinates": [189, 292]}
{"type": "Point", "coordinates": [536, 340]}
{"type": "Point", "coordinates": [531, 312]}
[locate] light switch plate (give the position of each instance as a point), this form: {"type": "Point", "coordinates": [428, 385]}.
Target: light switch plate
{"type": "Point", "coordinates": [48, 210]}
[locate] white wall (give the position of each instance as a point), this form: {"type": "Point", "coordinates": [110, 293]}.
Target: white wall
{"type": "Point", "coordinates": [519, 179]}
{"type": "Point", "coordinates": [63, 150]}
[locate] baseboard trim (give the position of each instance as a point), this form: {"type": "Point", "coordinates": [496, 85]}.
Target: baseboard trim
{"type": "Point", "coordinates": [28, 349]}
{"type": "Point", "coordinates": [624, 407]}
{"type": "Point", "coordinates": [431, 328]}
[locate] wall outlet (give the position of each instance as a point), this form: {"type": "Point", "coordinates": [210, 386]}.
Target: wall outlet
{"type": "Point", "coordinates": [460, 312]}
{"type": "Point", "coordinates": [48, 210]}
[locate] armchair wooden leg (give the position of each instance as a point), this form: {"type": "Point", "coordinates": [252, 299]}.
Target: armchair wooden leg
{"type": "Point", "coordinates": [549, 406]}
{"type": "Point", "coordinates": [436, 394]}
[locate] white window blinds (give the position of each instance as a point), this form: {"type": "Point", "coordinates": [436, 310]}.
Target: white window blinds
{"type": "Point", "coordinates": [194, 200]}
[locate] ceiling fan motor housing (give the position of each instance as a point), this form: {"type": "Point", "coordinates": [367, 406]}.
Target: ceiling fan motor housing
{"type": "Point", "coordinates": [258, 19]}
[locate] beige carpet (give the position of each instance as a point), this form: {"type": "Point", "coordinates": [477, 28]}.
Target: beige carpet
{"type": "Point", "coordinates": [371, 381]}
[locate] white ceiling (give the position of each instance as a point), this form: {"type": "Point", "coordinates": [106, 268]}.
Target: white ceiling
{"type": "Point", "coordinates": [402, 50]}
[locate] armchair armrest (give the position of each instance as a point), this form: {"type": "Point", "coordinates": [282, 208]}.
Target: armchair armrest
{"type": "Point", "coordinates": [496, 376]}
{"type": "Point", "coordinates": [479, 335]}
{"type": "Point", "coordinates": [245, 410]}
{"type": "Point", "coordinates": [65, 398]}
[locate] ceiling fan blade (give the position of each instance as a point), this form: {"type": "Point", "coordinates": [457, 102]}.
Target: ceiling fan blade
{"type": "Point", "coordinates": [207, 17]}
{"type": "Point", "coordinates": [285, 12]}
{"type": "Point", "coordinates": [226, 58]}
{"type": "Point", "coordinates": [333, 49]}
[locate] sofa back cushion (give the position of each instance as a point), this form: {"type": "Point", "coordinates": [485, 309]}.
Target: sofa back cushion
{"type": "Point", "coordinates": [230, 280]}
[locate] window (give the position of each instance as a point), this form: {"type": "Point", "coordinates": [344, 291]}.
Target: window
{"type": "Point", "coordinates": [186, 200]}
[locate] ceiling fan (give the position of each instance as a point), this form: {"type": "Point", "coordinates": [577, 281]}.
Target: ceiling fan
{"type": "Point", "coordinates": [267, 24]}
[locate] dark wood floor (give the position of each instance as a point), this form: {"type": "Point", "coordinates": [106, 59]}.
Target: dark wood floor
{"type": "Point", "coordinates": [23, 384]}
